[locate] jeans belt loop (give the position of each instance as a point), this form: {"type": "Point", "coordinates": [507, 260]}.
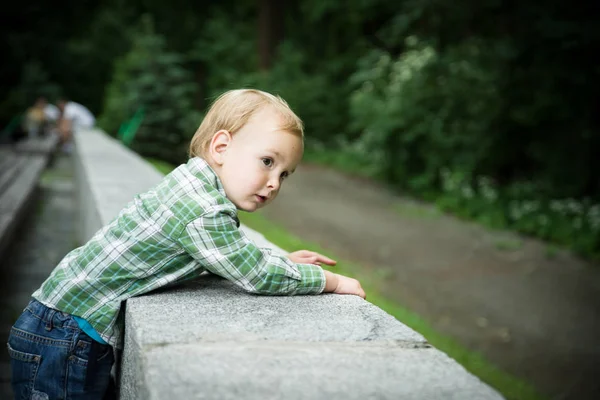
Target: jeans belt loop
{"type": "Point", "coordinates": [50, 317]}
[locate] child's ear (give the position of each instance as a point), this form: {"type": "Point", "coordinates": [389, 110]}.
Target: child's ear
{"type": "Point", "coordinates": [218, 145]}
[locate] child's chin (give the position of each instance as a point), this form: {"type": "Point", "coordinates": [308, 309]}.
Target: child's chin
{"type": "Point", "coordinates": [249, 208]}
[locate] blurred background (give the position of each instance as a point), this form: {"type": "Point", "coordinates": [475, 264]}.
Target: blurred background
{"type": "Point", "coordinates": [486, 109]}
{"type": "Point", "coordinates": [489, 108]}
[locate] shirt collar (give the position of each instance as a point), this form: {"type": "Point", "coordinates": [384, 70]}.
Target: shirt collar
{"type": "Point", "coordinates": [200, 169]}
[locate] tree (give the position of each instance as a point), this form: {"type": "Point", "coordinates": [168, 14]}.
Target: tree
{"type": "Point", "coordinates": [152, 80]}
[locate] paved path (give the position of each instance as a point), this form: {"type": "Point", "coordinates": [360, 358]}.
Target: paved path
{"type": "Point", "coordinates": [42, 241]}
{"type": "Point", "coordinates": [536, 316]}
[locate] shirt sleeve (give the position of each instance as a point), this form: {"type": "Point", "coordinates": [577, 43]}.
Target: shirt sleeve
{"type": "Point", "coordinates": [217, 243]}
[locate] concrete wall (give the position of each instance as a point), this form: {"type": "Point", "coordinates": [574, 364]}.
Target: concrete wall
{"type": "Point", "coordinates": [207, 339]}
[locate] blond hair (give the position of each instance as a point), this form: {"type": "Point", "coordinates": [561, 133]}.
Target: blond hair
{"type": "Point", "coordinates": [233, 109]}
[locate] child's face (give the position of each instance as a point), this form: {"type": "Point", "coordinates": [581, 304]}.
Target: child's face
{"type": "Point", "coordinates": [254, 162]}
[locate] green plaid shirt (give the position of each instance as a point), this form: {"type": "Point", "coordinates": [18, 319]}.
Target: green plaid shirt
{"type": "Point", "coordinates": [174, 232]}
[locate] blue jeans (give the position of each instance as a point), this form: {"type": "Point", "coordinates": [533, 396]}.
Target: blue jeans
{"type": "Point", "coordinates": [50, 357]}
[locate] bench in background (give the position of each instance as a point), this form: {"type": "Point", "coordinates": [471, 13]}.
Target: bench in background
{"type": "Point", "coordinates": [21, 165]}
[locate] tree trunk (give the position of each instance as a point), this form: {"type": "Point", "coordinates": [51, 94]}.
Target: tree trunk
{"type": "Point", "coordinates": [270, 30]}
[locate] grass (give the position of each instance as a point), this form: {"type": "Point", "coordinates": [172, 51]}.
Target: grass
{"type": "Point", "coordinates": [509, 244]}
{"type": "Point", "coordinates": [509, 386]}
{"type": "Point", "coordinates": [340, 160]}
{"type": "Point", "coordinates": [50, 176]}
{"type": "Point", "coordinates": [416, 211]}
{"type": "Point", "coordinates": [551, 251]}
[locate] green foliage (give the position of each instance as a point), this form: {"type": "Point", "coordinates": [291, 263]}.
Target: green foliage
{"type": "Point", "coordinates": [151, 77]}
{"type": "Point", "coordinates": [313, 95]}
{"type": "Point", "coordinates": [569, 222]}
{"type": "Point", "coordinates": [91, 55]}
{"type": "Point", "coordinates": [436, 124]}
{"type": "Point", "coordinates": [231, 62]}
{"type": "Point", "coordinates": [226, 52]}
{"type": "Point", "coordinates": [409, 92]}
{"type": "Point", "coordinates": [416, 114]}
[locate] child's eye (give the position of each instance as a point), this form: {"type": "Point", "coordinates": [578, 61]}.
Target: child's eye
{"type": "Point", "coordinates": [284, 175]}
{"type": "Point", "coordinates": [267, 161]}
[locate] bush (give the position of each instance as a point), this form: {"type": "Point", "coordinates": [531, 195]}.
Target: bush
{"type": "Point", "coordinates": [151, 78]}
{"type": "Point", "coordinates": [426, 110]}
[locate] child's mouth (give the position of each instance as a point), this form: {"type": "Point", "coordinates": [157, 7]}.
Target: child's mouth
{"type": "Point", "coordinates": [261, 199]}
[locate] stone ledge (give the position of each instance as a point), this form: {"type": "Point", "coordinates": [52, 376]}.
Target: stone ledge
{"type": "Point", "coordinates": [225, 312]}
{"type": "Point", "coordinates": [207, 339]}
{"type": "Point", "coordinates": [267, 370]}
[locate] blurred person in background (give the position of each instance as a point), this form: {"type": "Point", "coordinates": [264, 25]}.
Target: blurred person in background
{"type": "Point", "coordinates": [40, 117]}
{"type": "Point", "coordinates": [52, 112]}
{"type": "Point", "coordinates": [73, 116]}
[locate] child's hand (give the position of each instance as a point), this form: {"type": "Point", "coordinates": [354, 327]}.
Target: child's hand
{"type": "Point", "coordinates": [335, 283]}
{"type": "Point", "coordinates": [340, 284]}
{"type": "Point", "coordinates": [310, 257]}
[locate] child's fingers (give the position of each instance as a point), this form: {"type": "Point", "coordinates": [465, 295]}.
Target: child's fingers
{"type": "Point", "coordinates": [307, 260]}
{"type": "Point", "coordinates": [311, 257]}
{"type": "Point", "coordinates": [362, 293]}
{"type": "Point", "coordinates": [311, 260]}
{"type": "Point", "coordinates": [325, 260]}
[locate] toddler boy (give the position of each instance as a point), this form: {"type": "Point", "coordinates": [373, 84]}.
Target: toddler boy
{"type": "Point", "coordinates": [247, 145]}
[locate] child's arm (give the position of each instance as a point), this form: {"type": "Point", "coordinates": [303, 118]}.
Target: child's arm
{"type": "Point", "coordinates": [335, 283]}
{"type": "Point", "coordinates": [215, 241]}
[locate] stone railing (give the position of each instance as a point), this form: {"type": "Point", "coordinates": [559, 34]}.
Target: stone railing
{"type": "Point", "coordinates": [207, 339]}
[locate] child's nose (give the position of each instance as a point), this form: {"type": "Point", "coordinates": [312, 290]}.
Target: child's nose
{"type": "Point", "coordinates": [273, 183]}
